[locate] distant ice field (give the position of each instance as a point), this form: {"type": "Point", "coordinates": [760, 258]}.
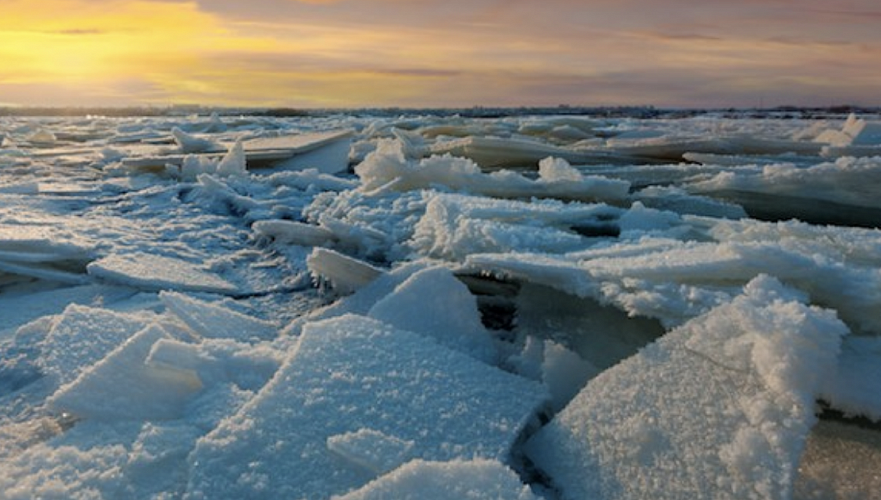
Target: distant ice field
{"type": "Point", "coordinates": [422, 306]}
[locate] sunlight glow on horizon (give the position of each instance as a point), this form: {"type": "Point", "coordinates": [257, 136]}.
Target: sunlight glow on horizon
{"type": "Point", "coordinates": [319, 54]}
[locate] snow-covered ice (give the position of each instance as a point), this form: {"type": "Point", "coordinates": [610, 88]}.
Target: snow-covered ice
{"type": "Point", "coordinates": [352, 373]}
{"type": "Point", "coordinates": [478, 479]}
{"type": "Point", "coordinates": [370, 306]}
{"type": "Point", "coordinates": [719, 407]}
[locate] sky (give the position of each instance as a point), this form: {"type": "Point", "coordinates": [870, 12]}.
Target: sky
{"type": "Point", "coordinates": [446, 53]}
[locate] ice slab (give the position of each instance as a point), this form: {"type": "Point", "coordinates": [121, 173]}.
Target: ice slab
{"type": "Point", "coordinates": [189, 143]}
{"type": "Point", "coordinates": [288, 232]}
{"type": "Point", "coordinates": [46, 272]}
{"type": "Point", "coordinates": [352, 373]}
{"type": "Point", "coordinates": [155, 272]}
{"type": "Point", "coordinates": [328, 158]}
{"type": "Point", "coordinates": [601, 335]}
{"type": "Point", "coordinates": [344, 273]}
{"type": "Point", "coordinates": [478, 479]}
{"type": "Point", "coordinates": [361, 301]}
{"type": "Point", "coordinates": [30, 243]}
{"type": "Point", "coordinates": [678, 200]}
{"type": "Point", "coordinates": [18, 310]}
{"type": "Point", "coordinates": [497, 152]}
{"type": "Point", "coordinates": [855, 389]}
{"type": "Point", "coordinates": [261, 150]}
{"type": "Point", "coordinates": [564, 373]}
{"type": "Point", "coordinates": [719, 408]}
{"type": "Point", "coordinates": [123, 387]}
{"type": "Point", "coordinates": [83, 336]}
{"type": "Point", "coordinates": [214, 321]}
{"type": "Point", "coordinates": [216, 361]}
{"type": "Point", "coordinates": [450, 317]}
{"type": "Point", "coordinates": [854, 132]}
{"type": "Point", "coordinates": [665, 148]}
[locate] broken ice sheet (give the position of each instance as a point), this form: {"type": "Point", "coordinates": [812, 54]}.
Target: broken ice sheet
{"type": "Point", "coordinates": [719, 408]}
{"type": "Point", "coordinates": [154, 272]}
{"type": "Point", "coordinates": [123, 387]}
{"type": "Point", "coordinates": [452, 318]}
{"type": "Point", "coordinates": [352, 373]}
{"type": "Point", "coordinates": [215, 321]}
{"type": "Point", "coordinates": [82, 336]}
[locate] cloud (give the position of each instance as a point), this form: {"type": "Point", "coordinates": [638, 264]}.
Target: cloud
{"type": "Point", "coordinates": [80, 32]}
{"type": "Point", "coordinates": [414, 52]}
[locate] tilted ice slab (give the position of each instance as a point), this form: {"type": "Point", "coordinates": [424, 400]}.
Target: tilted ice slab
{"type": "Point", "coordinates": [291, 151]}
{"type": "Point", "coordinates": [48, 272]}
{"type": "Point", "coordinates": [398, 299]}
{"type": "Point", "coordinates": [344, 273]}
{"type": "Point", "coordinates": [497, 152]}
{"type": "Point", "coordinates": [452, 318]}
{"type": "Point", "coordinates": [288, 232]}
{"type": "Point", "coordinates": [215, 321]}
{"type": "Point", "coordinates": [83, 336]}
{"type": "Point", "coordinates": [719, 408]}
{"type": "Point", "coordinates": [44, 253]}
{"type": "Point", "coordinates": [36, 244]}
{"type": "Point", "coordinates": [478, 479]}
{"type": "Point", "coordinates": [21, 309]}
{"type": "Point", "coordinates": [841, 461]}
{"type": "Point", "coordinates": [155, 272]}
{"type": "Point", "coordinates": [855, 132]}
{"type": "Point", "coordinates": [346, 375]}
{"type": "Point", "coordinates": [123, 386]}
{"type": "Point", "coordinates": [366, 294]}
{"type": "Point", "coordinates": [855, 388]}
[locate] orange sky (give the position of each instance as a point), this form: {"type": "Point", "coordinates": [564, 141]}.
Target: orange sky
{"type": "Point", "coordinates": [341, 53]}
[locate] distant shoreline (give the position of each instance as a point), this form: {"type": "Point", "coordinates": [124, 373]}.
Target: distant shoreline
{"type": "Point", "coordinates": [782, 112]}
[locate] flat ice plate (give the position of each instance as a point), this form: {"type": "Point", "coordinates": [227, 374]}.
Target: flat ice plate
{"type": "Point", "coordinates": [155, 272]}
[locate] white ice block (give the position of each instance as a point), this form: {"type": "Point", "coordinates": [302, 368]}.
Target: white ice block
{"type": "Point", "coordinates": [719, 408]}
{"type": "Point", "coordinates": [82, 337]}
{"type": "Point", "coordinates": [352, 373]}
{"type": "Point", "coordinates": [214, 321]}
{"type": "Point", "coordinates": [433, 302]}
{"type": "Point", "coordinates": [123, 387]}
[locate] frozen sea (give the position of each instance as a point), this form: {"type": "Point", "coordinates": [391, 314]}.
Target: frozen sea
{"type": "Point", "coordinates": [361, 306]}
